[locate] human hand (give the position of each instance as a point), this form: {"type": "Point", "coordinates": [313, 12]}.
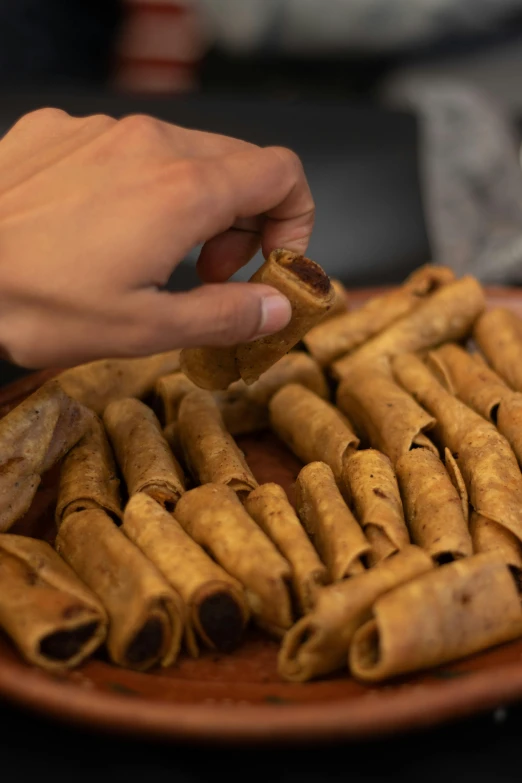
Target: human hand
{"type": "Point", "coordinates": [96, 213]}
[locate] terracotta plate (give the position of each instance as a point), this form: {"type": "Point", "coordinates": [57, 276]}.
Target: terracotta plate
{"type": "Point", "coordinates": [240, 697]}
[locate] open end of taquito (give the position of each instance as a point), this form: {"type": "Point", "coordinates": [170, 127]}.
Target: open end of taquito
{"type": "Point", "coordinates": [149, 645]}
{"type": "Point", "coordinates": [217, 616]}
{"type": "Point", "coordinates": [65, 646]}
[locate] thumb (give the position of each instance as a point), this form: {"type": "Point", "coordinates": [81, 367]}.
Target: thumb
{"type": "Point", "coordinates": [221, 314]}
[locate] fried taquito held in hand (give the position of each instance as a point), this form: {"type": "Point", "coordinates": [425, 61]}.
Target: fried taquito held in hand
{"type": "Point", "coordinates": [336, 534]}
{"type": "Point", "coordinates": [146, 616]}
{"type": "Point", "coordinates": [308, 289]}
{"type": "Point", "coordinates": [337, 336]}
{"type": "Point", "coordinates": [433, 506]}
{"type": "Point", "coordinates": [98, 383]}
{"type": "Point", "coordinates": [214, 517]}
{"type": "Point", "coordinates": [88, 476]}
{"type": "Point", "coordinates": [456, 610]}
{"type": "Point", "coordinates": [143, 454]}
{"type": "Point", "coordinates": [51, 616]}
{"type": "Point", "coordinates": [318, 643]}
{"type": "Point", "coordinates": [33, 437]}
{"type": "Point", "coordinates": [312, 428]}
{"type": "Point", "coordinates": [215, 604]}
{"type": "Point", "coordinates": [376, 502]}
{"type": "Point", "coordinates": [268, 505]}
{"type": "Point", "coordinates": [211, 453]}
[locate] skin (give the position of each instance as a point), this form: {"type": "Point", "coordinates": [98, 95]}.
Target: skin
{"type": "Point", "coordinates": [96, 213]}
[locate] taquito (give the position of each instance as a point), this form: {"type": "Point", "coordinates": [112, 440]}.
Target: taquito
{"type": "Point", "coordinates": [340, 302]}
{"type": "Point", "coordinates": [216, 610]}
{"type": "Point", "coordinates": [169, 390]}
{"type": "Point", "coordinates": [482, 389]}
{"type": "Point", "coordinates": [485, 458]}
{"type": "Point", "coordinates": [488, 536]}
{"type": "Point", "coordinates": [269, 507]}
{"type": "Point", "coordinates": [88, 476]}
{"type": "Point", "coordinates": [312, 428]}
{"type": "Point", "coordinates": [337, 336]}
{"type": "Point", "coordinates": [456, 610]}
{"type": "Point", "coordinates": [308, 289]}
{"type": "Point", "coordinates": [146, 616]}
{"type": "Point", "coordinates": [96, 384]}
{"type": "Point", "coordinates": [498, 334]}
{"type": "Point", "coordinates": [383, 414]}
{"type": "Point", "coordinates": [143, 454]}
{"type": "Point", "coordinates": [211, 453]}
{"type": "Point", "coordinates": [446, 315]}
{"type": "Point", "coordinates": [214, 517]}
{"type": "Point", "coordinates": [318, 643]}
{"type": "Point", "coordinates": [33, 437]}
{"type": "Point", "coordinates": [53, 618]}
{"type": "Point", "coordinates": [376, 503]}
{"type": "Point", "coordinates": [336, 534]}
{"type": "Point", "coordinates": [433, 507]}
{"type": "Point", "coordinates": [458, 482]}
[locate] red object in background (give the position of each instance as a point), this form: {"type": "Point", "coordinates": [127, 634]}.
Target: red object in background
{"type": "Point", "coordinates": [160, 47]}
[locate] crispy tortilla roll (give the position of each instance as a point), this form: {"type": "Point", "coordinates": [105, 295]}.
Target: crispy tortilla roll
{"type": "Point", "coordinates": [33, 437]}
{"type": "Point", "coordinates": [482, 389]}
{"type": "Point", "coordinates": [308, 289]}
{"type": "Point", "coordinates": [377, 503]}
{"type": "Point", "coordinates": [211, 453]}
{"type": "Point", "coordinates": [329, 522]}
{"type": "Point", "coordinates": [340, 302]}
{"type": "Point", "coordinates": [498, 334]}
{"type": "Point", "coordinates": [269, 507]}
{"type": "Point", "coordinates": [214, 517]}
{"type": "Point", "coordinates": [454, 611]}
{"type": "Point", "coordinates": [215, 605]}
{"type": "Point", "coordinates": [143, 454]}
{"type": "Point", "coordinates": [447, 315]}
{"type": "Point", "coordinates": [98, 383]}
{"type": "Point", "coordinates": [312, 428]}
{"type": "Point", "coordinates": [458, 481]}
{"type": "Point", "coordinates": [487, 536]}
{"type": "Point", "coordinates": [486, 461]}
{"type": "Point", "coordinates": [52, 617]}
{"type": "Point", "coordinates": [318, 643]}
{"type": "Point", "coordinates": [88, 476]}
{"type": "Point", "coordinates": [146, 616]}
{"type": "Point", "coordinates": [383, 413]}
{"type": "Point", "coordinates": [169, 391]}
{"type": "Point", "coordinates": [433, 507]}
{"type": "Point", "coordinates": [334, 337]}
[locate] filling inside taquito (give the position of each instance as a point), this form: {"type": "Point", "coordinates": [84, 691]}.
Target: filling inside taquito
{"type": "Point", "coordinates": [51, 616]}
{"type": "Point", "coordinates": [143, 454]}
{"type": "Point", "coordinates": [312, 428]}
{"type": "Point", "coordinates": [335, 532]}
{"type": "Point", "coordinates": [146, 615]}
{"type": "Point", "coordinates": [214, 517]}
{"type": "Point", "coordinates": [269, 507]}
{"type": "Point", "coordinates": [318, 643]}
{"type": "Point", "coordinates": [376, 503]}
{"type": "Point", "coordinates": [215, 604]}
{"type": "Point", "coordinates": [454, 611]}
{"type": "Point", "coordinates": [211, 453]}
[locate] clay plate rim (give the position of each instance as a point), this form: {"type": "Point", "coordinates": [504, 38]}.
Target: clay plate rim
{"type": "Point", "coordinates": [388, 711]}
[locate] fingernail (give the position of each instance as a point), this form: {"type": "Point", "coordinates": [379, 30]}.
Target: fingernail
{"type": "Point", "coordinates": [276, 312]}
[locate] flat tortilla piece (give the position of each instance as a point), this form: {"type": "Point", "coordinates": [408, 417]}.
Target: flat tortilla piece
{"type": "Point", "coordinates": [318, 644]}
{"type": "Point", "coordinates": [454, 611]}
{"type": "Point", "coordinates": [96, 384]}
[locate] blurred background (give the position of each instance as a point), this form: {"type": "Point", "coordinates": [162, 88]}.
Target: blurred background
{"type": "Point", "coordinates": [406, 113]}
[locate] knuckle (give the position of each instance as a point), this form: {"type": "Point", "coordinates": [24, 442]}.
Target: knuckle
{"type": "Point", "coordinates": [141, 129]}
{"type": "Point", "coordinates": [45, 116]}
{"type": "Point", "coordinates": [101, 121]}
{"type": "Point", "coordinates": [290, 158]}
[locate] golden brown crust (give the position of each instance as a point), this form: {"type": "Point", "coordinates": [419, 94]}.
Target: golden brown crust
{"type": "Point", "coordinates": [146, 615]}
{"type": "Point", "coordinates": [318, 643]}
{"type": "Point", "coordinates": [490, 537]}
{"type": "Point", "coordinates": [335, 532]}
{"type": "Point", "coordinates": [214, 517]}
{"type": "Point", "coordinates": [498, 334]}
{"type": "Point", "coordinates": [312, 428]}
{"type": "Point", "coordinates": [446, 614]}
{"type": "Point", "coordinates": [51, 616]}
{"type": "Point", "coordinates": [210, 368]}
{"type": "Point", "coordinates": [143, 454]}
{"type": "Point", "coordinates": [269, 507]}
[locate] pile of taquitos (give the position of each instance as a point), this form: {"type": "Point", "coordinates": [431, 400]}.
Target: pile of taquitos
{"type": "Point", "coordinates": [401, 548]}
